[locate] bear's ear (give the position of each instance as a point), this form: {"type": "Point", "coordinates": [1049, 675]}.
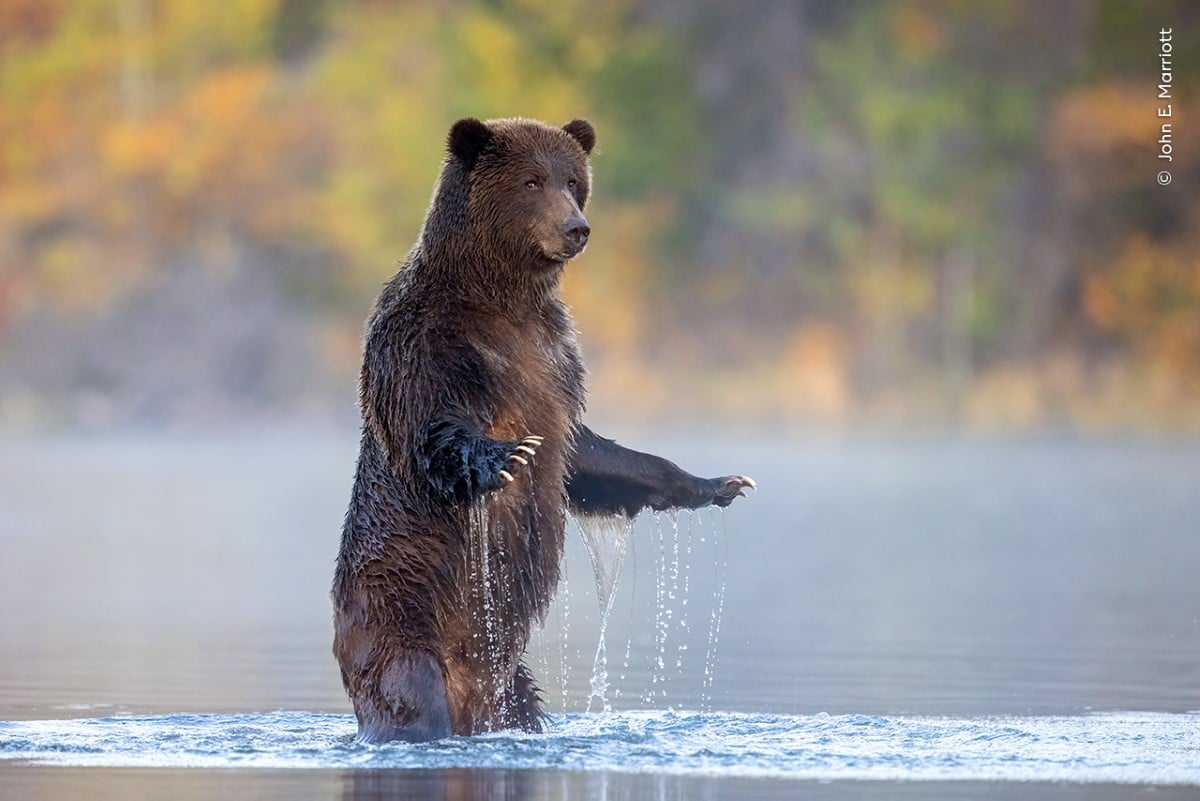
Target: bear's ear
{"type": "Point", "coordinates": [583, 132]}
{"type": "Point", "coordinates": [467, 140]}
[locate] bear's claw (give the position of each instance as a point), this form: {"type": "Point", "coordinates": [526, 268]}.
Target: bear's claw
{"type": "Point", "coordinates": [527, 446]}
{"type": "Point", "coordinates": [731, 487]}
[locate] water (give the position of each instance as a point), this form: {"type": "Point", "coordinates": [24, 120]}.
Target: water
{"type": "Point", "coordinates": [900, 618]}
{"type": "Point", "coordinates": [605, 540]}
{"type": "Point", "coordinates": [1128, 748]}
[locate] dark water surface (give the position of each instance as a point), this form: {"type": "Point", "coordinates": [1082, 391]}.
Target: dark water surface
{"type": "Point", "coordinates": [886, 618]}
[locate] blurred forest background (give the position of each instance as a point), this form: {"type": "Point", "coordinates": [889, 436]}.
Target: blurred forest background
{"type": "Point", "coordinates": [825, 212]}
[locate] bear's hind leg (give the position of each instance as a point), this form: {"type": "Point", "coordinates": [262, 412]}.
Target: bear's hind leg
{"type": "Point", "coordinates": [524, 709]}
{"type": "Point", "coordinates": [409, 702]}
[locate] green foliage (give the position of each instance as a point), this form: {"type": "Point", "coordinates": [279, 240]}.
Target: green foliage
{"type": "Point", "coordinates": [656, 141]}
{"type": "Point", "coordinates": [883, 186]}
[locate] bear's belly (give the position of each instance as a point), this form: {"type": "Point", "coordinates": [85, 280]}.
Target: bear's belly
{"type": "Point", "coordinates": [515, 536]}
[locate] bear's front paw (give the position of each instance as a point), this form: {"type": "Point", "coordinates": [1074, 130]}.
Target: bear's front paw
{"type": "Point", "coordinates": [730, 487]}
{"type": "Point", "coordinates": [519, 457]}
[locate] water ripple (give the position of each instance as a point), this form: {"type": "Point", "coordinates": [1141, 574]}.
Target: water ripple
{"type": "Point", "coordinates": [1129, 748]}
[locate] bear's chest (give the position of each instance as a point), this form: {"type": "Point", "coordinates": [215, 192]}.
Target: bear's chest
{"type": "Point", "coordinates": [539, 388]}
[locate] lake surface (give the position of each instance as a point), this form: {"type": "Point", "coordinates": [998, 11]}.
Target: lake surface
{"type": "Point", "coordinates": [924, 617]}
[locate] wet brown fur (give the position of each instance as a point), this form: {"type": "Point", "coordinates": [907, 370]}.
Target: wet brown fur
{"type": "Point", "coordinates": [472, 329]}
{"type": "Point", "coordinates": [451, 545]}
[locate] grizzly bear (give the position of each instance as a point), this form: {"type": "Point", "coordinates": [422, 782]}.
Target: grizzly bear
{"type": "Point", "coordinates": [472, 449]}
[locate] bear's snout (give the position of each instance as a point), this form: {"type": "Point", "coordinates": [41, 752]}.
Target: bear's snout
{"type": "Point", "coordinates": [576, 231]}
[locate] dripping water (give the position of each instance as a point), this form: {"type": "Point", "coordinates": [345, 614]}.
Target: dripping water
{"type": "Point", "coordinates": [564, 629]}
{"type": "Point", "coordinates": [657, 553]}
{"type": "Point", "coordinates": [720, 538]}
{"type": "Point", "coordinates": [538, 638]}
{"type": "Point", "coordinates": [632, 607]}
{"type": "Point", "coordinates": [485, 643]}
{"type": "Point", "coordinates": [667, 595]}
{"type": "Point", "coordinates": [685, 631]}
{"type": "Point", "coordinates": [684, 575]}
{"type": "Point", "coordinates": [605, 539]}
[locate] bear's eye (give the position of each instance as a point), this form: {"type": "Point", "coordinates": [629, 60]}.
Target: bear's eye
{"type": "Point", "coordinates": [571, 182]}
{"type": "Point", "coordinates": [531, 184]}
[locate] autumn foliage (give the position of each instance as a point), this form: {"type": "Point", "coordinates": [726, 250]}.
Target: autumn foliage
{"type": "Point", "coordinates": [882, 211]}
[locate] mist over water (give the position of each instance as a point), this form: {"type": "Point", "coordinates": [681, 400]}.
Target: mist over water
{"type": "Point", "coordinates": [884, 609]}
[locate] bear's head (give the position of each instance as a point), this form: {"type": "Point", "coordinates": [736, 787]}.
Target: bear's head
{"type": "Point", "coordinates": [528, 185]}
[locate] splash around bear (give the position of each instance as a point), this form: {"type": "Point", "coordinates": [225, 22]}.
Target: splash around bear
{"type": "Point", "coordinates": [473, 446]}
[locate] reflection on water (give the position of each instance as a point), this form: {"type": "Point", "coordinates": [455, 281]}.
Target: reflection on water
{"type": "Point", "coordinates": [880, 577]}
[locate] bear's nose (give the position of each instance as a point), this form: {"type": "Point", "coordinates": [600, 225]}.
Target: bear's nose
{"type": "Point", "coordinates": [577, 231]}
